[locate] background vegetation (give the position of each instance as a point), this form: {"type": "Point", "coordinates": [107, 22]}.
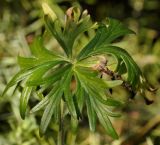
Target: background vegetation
{"type": "Point", "coordinates": [21, 20]}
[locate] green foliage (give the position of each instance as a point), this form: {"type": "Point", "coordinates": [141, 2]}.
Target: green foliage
{"type": "Point", "coordinates": [56, 73]}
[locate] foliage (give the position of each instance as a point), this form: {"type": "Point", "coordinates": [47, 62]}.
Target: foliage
{"type": "Point", "coordinates": [68, 78]}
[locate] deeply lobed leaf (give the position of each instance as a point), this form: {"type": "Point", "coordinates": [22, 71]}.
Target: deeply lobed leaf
{"type": "Point", "coordinates": [70, 79]}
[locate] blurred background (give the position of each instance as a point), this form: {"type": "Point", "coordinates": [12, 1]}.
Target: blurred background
{"type": "Point", "coordinates": [21, 20]}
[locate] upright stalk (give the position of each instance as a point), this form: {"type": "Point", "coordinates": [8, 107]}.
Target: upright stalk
{"type": "Point", "coordinates": [60, 137]}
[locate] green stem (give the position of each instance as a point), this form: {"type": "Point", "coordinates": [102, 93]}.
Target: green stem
{"type": "Point", "coordinates": [60, 138]}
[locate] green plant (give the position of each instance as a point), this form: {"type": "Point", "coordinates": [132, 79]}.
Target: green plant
{"type": "Point", "coordinates": [73, 79]}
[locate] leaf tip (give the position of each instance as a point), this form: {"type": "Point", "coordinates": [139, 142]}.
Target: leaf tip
{"type": "Point", "coordinates": [48, 11]}
{"type": "Point", "coordinates": [22, 115]}
{"type": "Point", "coordinates": [41, 133]}
{"type": "Point", "coordinates": [5, 91]}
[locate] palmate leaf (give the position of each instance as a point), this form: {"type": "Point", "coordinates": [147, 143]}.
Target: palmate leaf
{"type": "Point", "coordinates": [67, 92]}
{"type": "Point", "coordinates": [27, 90]}
{"type": "Point", "coordinates": [100, 44]}
{"type": "Point", "coordinates": [133, 70]}
{"type": "Point", "coordinates": [51, 79]}
{"type": "Point", "coordinates": [24, 100]}
{"type": "Point", "coordinates": [94, 109]}
{"type": "Point", "coordinates": [49, 110]}
{"type": "Point", "coordinates": [39, 51]}
{"type": "Point", "coordinates": [69, 78]}
{"type": "Point", "coordinates": [40, 55]}
{"type": "Point", "coordinates": [45, 100]}
{"type": "Point", "coordinates": [105, 121]}
{"type": "Point", "coordinates": [79, 94]}
{"type": "Point", "coordinates": [99, 107]}
{"type": "Point", "coordinates": [105, 34]}
{"type": "Point", "coordinates": [55, 28]}
{"type": "Point", "coordinates": [75, 25]}
{"type": "Point", "coordinates": [44, 61]}
{"type": "Point", "coordinates": [91, 114]}
{"type": "Point", "coordinates": [26, 63]}
{"type": "Point", "coordinates": [102, 114]}
{"type": "Point", "coordinates": [96, 103]}
{"type": "Point", "coordinates": [40, 105]}
{"type": "Point", "coordinates": [92, 78]}
{"type": "Point", "coordinates": [90, 110]}
{"type": "Point", "coordinates": [24, 73]}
